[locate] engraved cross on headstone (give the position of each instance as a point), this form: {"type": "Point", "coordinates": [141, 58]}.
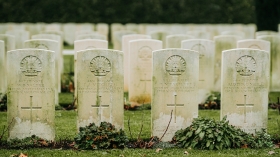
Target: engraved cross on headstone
{"type": "Point", "coordinates": [245, 105]}
{"type": "Point", "coordinates": [31, 108]}
{"type": "Point", "coordinates": [145, 82]}
{"type": "Point", "coordinates": [175, 105]}
{"type": "Point", "coordinates": [99, 107]}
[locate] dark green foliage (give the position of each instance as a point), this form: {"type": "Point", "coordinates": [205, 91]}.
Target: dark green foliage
{"type": "Point", "coordinates": [210, 134]}
{"type": "Point", "coordinates": [267, 14]}
{"type": "Point", "coordinates": [127, 11]}
{"type": "Point", "coordinates": [28, 142]}
{"type": "Point", "coordinates": [104, 136]}
{"type": "Point", "coordinates": [3, 103]}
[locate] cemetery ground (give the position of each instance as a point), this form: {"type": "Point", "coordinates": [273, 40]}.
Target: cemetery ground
{"type": "Point", "coordinates": [65, 124]}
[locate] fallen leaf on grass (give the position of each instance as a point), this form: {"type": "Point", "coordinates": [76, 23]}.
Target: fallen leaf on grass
{"type": "Point", "coordinates": [22, 155]}
{"type": "Point", "coordinates": [158, 150]}
{"type": "Point", "coordinates": [186, 152]}
{"type": "Point", "coordinates": [271, 152]}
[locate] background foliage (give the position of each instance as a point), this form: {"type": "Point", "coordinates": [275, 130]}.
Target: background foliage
{"type": "Point", "coordinates": [128, 11]}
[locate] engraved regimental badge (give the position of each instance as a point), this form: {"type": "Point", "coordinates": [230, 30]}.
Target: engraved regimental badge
{"type": "Point", "coordinates": [175, 65]}
{"type": "Point", "coordinates": [30, 65]}
{"type": "Point", "coordinates": [100, 66]}
{"type": "Point", "coordinates": [245, 65]}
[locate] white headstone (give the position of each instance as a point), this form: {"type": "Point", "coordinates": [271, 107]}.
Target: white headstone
{"type": "Point", "coordinates": [140, 70]}
{"type": "Point", "coordinates": [174, 41]}
{"type": "Point", "coordinates": [200, 34]}
{"type": "Point", "coordinates": [20, 37]}
{"type": "Point", "coordinates": [91, 36]}
{"type": "Point", "coordinates": [234, 32]}
{"type": "Point", "coordinates": [115, 27]}
{"type": "Point", "coordinates": [69, 32]}
{"type": "Point", "coordinates": [245, 87]}
{"type": "Point", "coordinates": [206, 50]}
{"type": "Point", "coordinates": [175, 79]}
{"type": "Point", "coordinates": [274, 60]}
{"type": "Point", "coordinates": [84, 26]}
{"type": "Point", "coordinates": [125, 49]}
{"type": "Point", "coordinates": [52, 45]}
{"type": "Point", "coordinates": [9, 41]}
{"type": "Point", "coordinates": [100, 87]}
{"type": "Point", "coordinates": [160, 35]}
{"type": "Point", "coordinates": [31, 83]}
{"type": "Point", "coordinates": [82, 32]}
{"type": "Point", "coordinates": [3, 72]}
{"type": "Point", "coordinates": [60, 59]}
{"type": "Point", "coordinates": [222, 42]}
{"type": "Point", "coordinates": [84, 45]}
{"type": "Point", "coordinates": [260, 33]}
{"type": "Point", "coordinates": [53, 27]}
{"type": "Point", "coordinates": [132, 27]}
{"type": "Point", "coordinates": [117, 40]}
{"type": "Point", "coordinates": [103, 28]}
{"type": "Point", "coordinates": [254, 44]}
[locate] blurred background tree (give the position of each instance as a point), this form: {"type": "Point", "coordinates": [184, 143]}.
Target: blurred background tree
{"type": "Point", "coordinates": [265, 13]}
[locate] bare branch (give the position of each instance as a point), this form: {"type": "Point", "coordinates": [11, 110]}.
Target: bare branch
{"type": "Point", "coordinates": [167, 126]}
{"type": "Point", "coordinates": [129, 127]}
{"type": "Point", "coordinates": [141, 128]}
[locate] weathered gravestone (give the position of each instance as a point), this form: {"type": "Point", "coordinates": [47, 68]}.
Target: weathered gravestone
{"type": "Point", "coordinates": [69, 32]}
{"type": "Point", "coordinates": [261, 33]}
{"type": "Point", "coordinates": [103, 29]}
{"type": "Point", "coordinates": [117, 40]}
{"type": "Point", "coordinates": [31, 83]}
{"type": "Point", "coordinates": [9, 41]}
{"type": "Point", "coordinates": [175, 80]}
{"type": "Point", "coordinates": [206, 50]}
{"type": "Point", "coordinates": [174, 41]}
{"type": "Point", "coordinates": [222, 42]}
{"type": "Point", "coordinates": [200, 34]}
{"type": "Point", "coordinates": [59, 40]}
{"type": "Point", "coordinates": [116, 27]}
{"type": "Point", "coordinates": [100, 87]}
{"type": "Point", "coordinates": [254, 44]}
{"type": "Point", "coordinates": [20, 37]}
{"type": "Point", "coordinates": [274, 60]}
{"type": "Point", "coordinates": [91, 36]}
{"type": "Point", "coordinates": [9, 44]}
{"type": "Point", "coordinates": [140, 70]}
{"type": "Point", "coordinates": [126, 52]}
{"type": "Point", "coordinates": [83, 32]}
{"type": "Point", "coordinates": [234, 32]}
{"type": "Point", "coordinates": [52, 45]}
{"type": "Point", "coordinates": [132, 27]}
{"type": "Point", "coordinates": [84, 45]}
{"type": "Point", "coordinates": [160, 35]}
{"type": "Point", "coordinates": [245, 87]}
{"type": "Point", "coordinates": [3, 79]}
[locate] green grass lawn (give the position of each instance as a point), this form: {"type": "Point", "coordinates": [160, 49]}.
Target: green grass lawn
{"type": "Point", "coordinates": [66, 129]}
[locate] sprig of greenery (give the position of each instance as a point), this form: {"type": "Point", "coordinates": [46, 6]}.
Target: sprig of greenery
{"type": "Point", "coordinates": [104, 136]}
{"type": "Point", "coordinates": [206, 133]}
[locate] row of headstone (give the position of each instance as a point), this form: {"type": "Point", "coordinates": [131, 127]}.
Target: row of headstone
{"type": "Point", "coordinates": [67, 30]}
{"type": "Point", "coordinates": [174, 78]}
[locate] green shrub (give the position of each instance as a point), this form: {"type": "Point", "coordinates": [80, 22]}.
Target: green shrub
{"type": "Point", "coordinates": [28, 142]}
{"type": "Point", "coordinates": [206, 133]}
{"type": "Point", "coordinates": [100, 137]}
